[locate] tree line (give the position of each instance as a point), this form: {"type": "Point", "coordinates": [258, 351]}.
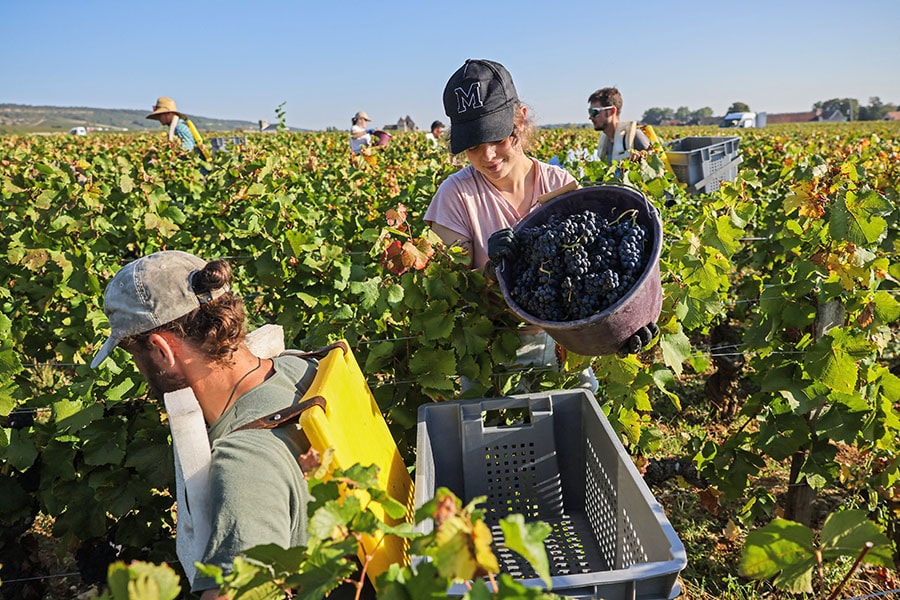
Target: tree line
{"type": "Point", "coordinates": [876, 110]}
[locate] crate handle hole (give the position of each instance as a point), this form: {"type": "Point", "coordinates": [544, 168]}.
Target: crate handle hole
{"type": "Point", "coordinates": [507, 417]}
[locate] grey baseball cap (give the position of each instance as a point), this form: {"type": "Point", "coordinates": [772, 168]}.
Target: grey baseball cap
{"type": "Point", "coordinates": [148, 292]}
{"type": "Point", "coordinates": [480, 99]}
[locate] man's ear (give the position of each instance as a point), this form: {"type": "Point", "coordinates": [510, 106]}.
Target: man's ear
{"type": "Point", "coordinates": [166, 345]}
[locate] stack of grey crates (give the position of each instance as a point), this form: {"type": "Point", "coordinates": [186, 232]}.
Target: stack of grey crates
{"type": "Point", "coordinates": [222, 143]}
{"type": "Point", "coordinates": [703, 163]}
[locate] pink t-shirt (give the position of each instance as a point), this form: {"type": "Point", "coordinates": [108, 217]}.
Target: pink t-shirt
{"type": "Point", "coordinates": [470, 205]}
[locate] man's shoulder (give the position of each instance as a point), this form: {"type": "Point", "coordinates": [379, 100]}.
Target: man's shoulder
{"type": "Point", "coordinates": [641, 140]}
{"type": "Point", "coordinates": [293, 364]}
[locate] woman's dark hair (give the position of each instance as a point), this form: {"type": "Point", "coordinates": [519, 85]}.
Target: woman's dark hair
{"type": "Point", "coordinates": [215, 327]}
{"type": "Point", "coordinates": [608, 96]}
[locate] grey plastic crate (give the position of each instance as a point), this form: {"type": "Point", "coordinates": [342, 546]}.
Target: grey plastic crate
{"type": "Point", "coordinates": [704, 162]}
{"type": "Point", "coordinates": [562, 465]}
{"type": "Point", "coordinates": [222, 143]}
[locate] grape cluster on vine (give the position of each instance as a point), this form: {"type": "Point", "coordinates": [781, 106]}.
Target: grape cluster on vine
{"type": "Point", "coordinates": [575, 266]}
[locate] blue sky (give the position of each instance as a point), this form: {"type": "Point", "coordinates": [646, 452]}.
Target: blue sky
{"type": "Point", "coordinates": [326, 60]}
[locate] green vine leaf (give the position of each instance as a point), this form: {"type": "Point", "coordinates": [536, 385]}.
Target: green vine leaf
{"type": "Point", "coordinates": [528, 540]}
{"type": "Point", "coordinates": [859, 218]}
{"type": "Point", "coordinates": [676, 348]}
{"type": "Point", "coordinates": [846, 532]}
{"type": "Point", "coordinates": [833, 359]}
{"type": "Point", "coordinates": [782, 549]}
{"type": "Point", "coordinates": [142, 581]}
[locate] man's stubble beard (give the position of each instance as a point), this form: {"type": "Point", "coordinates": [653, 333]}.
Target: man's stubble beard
{"type": "Point", "coordinates": [158, 380]}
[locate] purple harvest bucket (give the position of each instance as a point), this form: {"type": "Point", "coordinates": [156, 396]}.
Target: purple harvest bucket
{"type": "Point", "coordinates": [382, 138]}
{"type": "Point", "coordinates": [607, 331]}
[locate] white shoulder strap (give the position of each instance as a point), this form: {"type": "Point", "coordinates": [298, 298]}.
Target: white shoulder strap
{"type": "Point", "coordinates": [601, 146]}
{"type": "Point", "coordinates": [190, 443]}
{"type": "Point", "coordinates": [630, 132]}
{"type": "Point", "coordinates": [172, 126]}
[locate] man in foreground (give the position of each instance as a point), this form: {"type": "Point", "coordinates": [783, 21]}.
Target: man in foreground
{"type": "Point", "coordinates": [177, 317]}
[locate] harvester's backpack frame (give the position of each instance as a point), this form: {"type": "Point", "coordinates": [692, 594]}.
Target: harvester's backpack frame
{"type": "Point", "coordinates": [198, 140]}
{"type": "Point", "coordinates": [338, 414]}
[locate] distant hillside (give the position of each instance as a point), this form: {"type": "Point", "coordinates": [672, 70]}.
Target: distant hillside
{"type": "Point", "coordinates": [39, 119]}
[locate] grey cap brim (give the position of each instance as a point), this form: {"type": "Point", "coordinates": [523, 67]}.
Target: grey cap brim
{"type": "Point", "coordinates": [105, 350]}
{"type": "Point", "coordinates": [494, 127]}
{"type": "Point", "coordinates": [148, 292]}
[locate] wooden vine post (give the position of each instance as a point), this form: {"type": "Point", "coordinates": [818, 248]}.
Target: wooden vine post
{"type": "Point", "coordinates": [800, 495]}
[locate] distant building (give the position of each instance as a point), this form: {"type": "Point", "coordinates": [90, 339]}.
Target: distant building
{"type": "Point", "coordinates": [403, 124]}
{"type": "Point", "coordinates": [266, 127]}
{"type": "Point", "coordinates": [818, 115]}
{"type": "Point", "coordinates": [893, 115]}
{"type": "Point", "coordinates": [406, 124]}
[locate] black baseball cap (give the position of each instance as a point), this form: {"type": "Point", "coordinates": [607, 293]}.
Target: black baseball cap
{"type": "Point", "coordinates": [480, 99]}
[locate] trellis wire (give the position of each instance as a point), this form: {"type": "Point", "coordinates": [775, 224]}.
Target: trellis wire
{"type": "Point", "coordinates": [875, 595]}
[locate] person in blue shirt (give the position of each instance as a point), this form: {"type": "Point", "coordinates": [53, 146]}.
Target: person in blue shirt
{"type": "Point", "coordinates": [167, 114]}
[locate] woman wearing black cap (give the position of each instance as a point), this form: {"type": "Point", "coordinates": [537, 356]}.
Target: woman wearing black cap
{"type": "Point", "coordinates": [501, 183]}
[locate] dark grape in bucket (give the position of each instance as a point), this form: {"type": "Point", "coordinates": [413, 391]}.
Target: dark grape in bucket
{"type": "Point", "coordinates": [586, 268]}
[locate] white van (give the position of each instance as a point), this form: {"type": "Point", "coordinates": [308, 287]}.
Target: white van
{"type": "Point", "coordinates": [78, 131]}
{"type": "Point", "coordinates": [744, 119]}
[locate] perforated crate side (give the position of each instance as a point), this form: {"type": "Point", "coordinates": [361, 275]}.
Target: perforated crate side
{"type": "Point", "coordinates": [517, 469]}
{"type": "Point", "coordinates": [609, 537]}
{"type": "Point", "coordinates": [714, 183]}
{"type": "Point", "coordinates": [696, 157]}
{"type": "Point", "coordinates": [223, 143]}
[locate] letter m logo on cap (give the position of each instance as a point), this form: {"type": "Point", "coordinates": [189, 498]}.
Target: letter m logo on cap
{"type": "Point", "coordinates": [468, 99]}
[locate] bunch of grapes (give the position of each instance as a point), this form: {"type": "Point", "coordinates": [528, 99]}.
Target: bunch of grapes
{"type": "Point", "coordinates": [575, 266]}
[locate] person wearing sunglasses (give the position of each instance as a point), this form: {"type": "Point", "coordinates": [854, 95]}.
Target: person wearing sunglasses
{"type": "Point", "coordinates": [618, 139]}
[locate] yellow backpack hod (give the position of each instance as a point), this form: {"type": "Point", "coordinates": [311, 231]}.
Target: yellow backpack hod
{"type": "Point", "coordinates": [338, 413]}
{"type": "Point", "coordinates": [198, 141]}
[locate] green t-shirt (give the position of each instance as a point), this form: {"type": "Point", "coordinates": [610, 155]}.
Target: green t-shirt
{"type": "Point", "coordinates": [257, 491]}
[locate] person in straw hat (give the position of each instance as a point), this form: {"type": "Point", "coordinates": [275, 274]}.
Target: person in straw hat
{"type": "Point", "coordinates": [167, 114]}
{"type": "Point", "coordinates": [360, 135]}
